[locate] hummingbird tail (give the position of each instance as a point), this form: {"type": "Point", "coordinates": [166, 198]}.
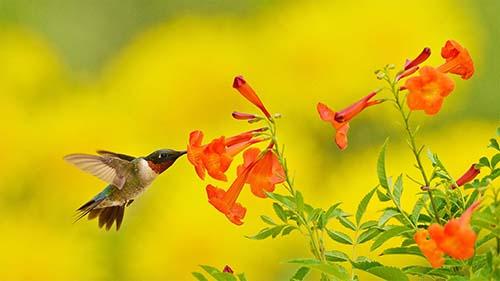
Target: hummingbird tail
{"type": "Point", "coordinates": [107, 215]}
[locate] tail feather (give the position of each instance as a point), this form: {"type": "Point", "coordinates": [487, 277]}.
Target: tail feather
{"type": "Point", "coordinates": [107, 215]}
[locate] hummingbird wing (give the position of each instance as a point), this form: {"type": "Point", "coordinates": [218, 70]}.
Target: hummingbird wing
{"type": "Point", "coordinates": [108, 167]}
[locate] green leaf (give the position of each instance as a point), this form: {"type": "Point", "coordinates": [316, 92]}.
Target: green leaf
{"type": "Point", "coordinates": [299, 201]}
{"type": "Point", "coordinates": [388, 273]}
{"type": "Point", "coordinates": [368, 235]}
{"type": "Point", "coordinates": [413, 250]}
{"type": "Point", "coordinates": [398, 190]}
{"type": "Point", "coordinates": [336, 256]}
{"type": "Point", "coordinates": [339, 237]}
{"type": "Point", "coordinates": [288, 229]}
{"type": "Point", "coordinates": [300, 274]}
{"type": "Point", "coordinates": [199, 276]}
{"type": "Point", "coordinates": [346, 223]}
{"type": "Point", "coordinates": [263, 234]}
{"type": "Point", "coordinates": [368, 224]}
{"type": "Point", "coordinates": [267, 220]}
{"type": "Point", "coordinates": [483, 161]}
{"type": "Point", "coordinates": [217, 274]}
{"type": "Point", "coordinates": [494, 160]}
{"type": "Point", "coordinates": [388, 234]}
{"type": "Point", "coordinates": [280, 212]}
{"type": "Point", "coordinates": [333, 211]}
{"type": "Point", "coordinates": [334, 270]}
{"type": "Point", "coordinates": [494, 144]}
{"type": "Point", "coordinates": [314, 214]}
{"type": "Point", "coordinates": [242, 277]}
{"type": "Point", "coordinates": [415, 214]}
{"type": "Point", "coordinates": [363, 204]}
{"type": "Point", "coordinates": [382, 197]}
{"type": "Point", "coordinates": [210, 269]}
{"type": "Point", "coordinates": [304, 261]}
{"type": "Point", "coordinates": [382, 176]}
{"type": "Point", "coordinates": [285, 200]}
{"type": "Point", "coordinates": [388, 214]}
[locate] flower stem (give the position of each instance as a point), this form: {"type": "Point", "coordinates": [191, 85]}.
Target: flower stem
{"type": "Point", "coordinates": [315, 240]}
{"type": "Point", "coordinates": [413, 146]}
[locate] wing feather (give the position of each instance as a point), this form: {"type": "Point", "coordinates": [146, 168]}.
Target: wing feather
{"type": "Point", "coordinates": [107, 167]}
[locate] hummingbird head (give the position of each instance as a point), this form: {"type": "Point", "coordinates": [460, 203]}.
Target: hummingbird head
{"type": "Point", "coordinates": [162, 159]}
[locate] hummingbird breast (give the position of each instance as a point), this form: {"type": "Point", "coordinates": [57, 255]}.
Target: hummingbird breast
{"type": "Point", "coordinates": [137, 181]}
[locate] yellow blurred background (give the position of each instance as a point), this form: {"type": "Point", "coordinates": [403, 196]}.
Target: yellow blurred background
{"type": "Point", "coordinates": [133, 77]}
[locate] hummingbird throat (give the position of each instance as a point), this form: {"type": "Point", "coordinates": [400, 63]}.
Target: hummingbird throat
{"type": "Point", "coordinates": [160, 167]}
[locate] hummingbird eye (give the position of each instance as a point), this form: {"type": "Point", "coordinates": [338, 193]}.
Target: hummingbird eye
{"type": "Point", "coordinates": [162, 155]}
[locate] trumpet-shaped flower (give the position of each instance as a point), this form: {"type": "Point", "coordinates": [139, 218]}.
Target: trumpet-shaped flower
{"type": "Point", "coordinates": [427, 91]}
{"type": "Point", "coordinates": [455, 239]}
{"type": "Point", "coordinates": [225, 201]}
{"type": "Point", "coordinates": [245, 90]}
{"type": "Point", "coordinates": [468, 176]}
{"type": "Point", "coordinates": [458, 60]}
{"type": "Point", "coordinates": [266, 173]}
{"type": "Point", "coordinates": [429, 248]}
{"type": "Point", "coordinates": [216, 156]}
{"type": "Point", "coordinates": [340, 120]}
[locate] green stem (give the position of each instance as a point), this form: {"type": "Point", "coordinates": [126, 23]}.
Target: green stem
{"type": "Point", "coordinates": [412, 142]}
{"type": "Point", "coordinates": [316, 242]}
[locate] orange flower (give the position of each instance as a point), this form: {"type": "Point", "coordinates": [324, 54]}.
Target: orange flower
{"type": "Point", "coordinates": [456, 238]}
{"type": "Point", "coordinates": [340, 120]}
{"type": "Point", "coordinates": [216, 157]}
{"type": "Point", "coordinates": [429, 248]}
{"type": "Point", "coordinates": [458, 60]}
{"type": "Point", "coordinates": [266, 173]}
{"type": "Point", "coordinates": [245, 90]}
{"type": "Point", "coordinates": [468, 176]}
{"type": "Point", "coordinates": [428, 90]}
{"type": "Point", "coordinates": [225, 201]}
{"type": "Point", "coordinates": [411, 66]}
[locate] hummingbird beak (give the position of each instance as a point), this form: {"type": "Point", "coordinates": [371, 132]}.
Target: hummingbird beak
{"type": "Point", "coordinates": [180, 153]}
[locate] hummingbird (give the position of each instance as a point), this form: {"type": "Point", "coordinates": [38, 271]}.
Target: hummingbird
{"type": "Point", "coordinates": [127, 178]}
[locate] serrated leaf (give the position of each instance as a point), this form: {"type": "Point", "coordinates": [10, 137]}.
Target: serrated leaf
{"type": "Point", "coordinates": [388, 234]}
{"type": "Point", "coordinates": [413, 250]}
{"type": "Point", "coordinates": [363, 204]}
{"type": "Point", "coordinates": [336, 256]}
{"type": "Point", "coordinates": [280, 212]}
{"type": "Point", "coordinates": [382, 176]}
{"type": "Point", "coordinates": [199, 276]}
{"type": "Point", "coordinates": [365, 263]}
{"type": "Point", "coordinates": [398, 190]}
{"type": "Point", "coordinates": [388, 214]}
{"type": "Point", "coordinates": [339, 237]}
{"type": "Point", "coordinates": [267, 220]}
{"type": "Point", "coordinates": [300, 274]}
{"type": "Point", "coordinates": [368, 235]}
{"type": "Point", "coordinates": [346, 223]}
